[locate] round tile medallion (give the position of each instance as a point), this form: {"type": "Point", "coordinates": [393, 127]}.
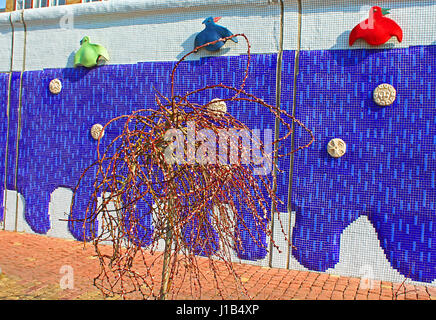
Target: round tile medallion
{"type": "Point", "coordinates": [336, 147]}
{"type": "Point", "coordinates": [218, 107]}
{"type": "Point", "coordinates": [384, 94]}
{"type": "Point", "coordinates": [55, 86]}
{"type": "Point", "coordinates": [95, 131]}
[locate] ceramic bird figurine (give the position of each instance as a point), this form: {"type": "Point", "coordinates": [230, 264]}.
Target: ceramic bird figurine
{"type": "Point", "coordinates": [377, 29]}
{"type": "Point", "coordinates": [90, 54]}
{"type": "Point", "coordinates": [212, 32]}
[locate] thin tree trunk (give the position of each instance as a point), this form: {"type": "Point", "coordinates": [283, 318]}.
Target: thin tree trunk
{"type": "Point", "coordinates": [166, 265]}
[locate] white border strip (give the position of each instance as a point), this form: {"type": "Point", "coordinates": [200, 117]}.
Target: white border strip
{"type": "Point", "coordinates": [120, 7]}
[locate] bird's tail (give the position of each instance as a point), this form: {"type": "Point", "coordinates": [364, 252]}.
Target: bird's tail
{"type": "Point", "coordinates": [398, 33]}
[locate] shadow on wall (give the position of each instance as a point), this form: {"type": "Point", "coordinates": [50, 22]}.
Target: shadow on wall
{"type": "Point", "coordinates": [188, 46]}
{"type": "Point", "coordinates": [70, 60]}
{"type": "Point", "coordinates": [74, 74]}
{"type": "Point", "coordinates": [350, 59]}
{"type": "Point", "coordinates": [342, 42]}
{"type": "Point", "coordinates": [432, 49]}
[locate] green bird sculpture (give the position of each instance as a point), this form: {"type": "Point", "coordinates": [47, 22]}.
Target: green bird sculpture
{"type": "Point", "coordinates": [90, 54]}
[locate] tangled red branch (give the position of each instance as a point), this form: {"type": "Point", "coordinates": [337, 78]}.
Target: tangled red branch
{"type": "Point", "coordinates": [161, 220]}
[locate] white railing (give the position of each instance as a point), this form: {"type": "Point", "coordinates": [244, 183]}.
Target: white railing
{"type": "Point", "coordinates": [29, 4]}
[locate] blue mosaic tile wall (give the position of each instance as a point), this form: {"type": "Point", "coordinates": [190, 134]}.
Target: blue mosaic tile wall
{"type": "Point", "coordinates": [56, 145]}
{"type": "Point", "coordinates": [286, 98]}
{"type": "Point", "coordinates": [13, 128]}
{"type": "Point", "coordinates": [4, 82]}
{"type": "Point", "coordinates": [388, 172]}
{"type": "Point", "coordinates": [9, 128]}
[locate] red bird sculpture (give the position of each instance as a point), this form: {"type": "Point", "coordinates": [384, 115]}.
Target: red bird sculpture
{"type": "Point", "coordinates": [377, 29]}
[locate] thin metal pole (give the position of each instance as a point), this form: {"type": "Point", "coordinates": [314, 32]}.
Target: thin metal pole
{"type": "Point", "coordinates": [294, 102]}
{"type": "Point", "coordinates": [277, 124]}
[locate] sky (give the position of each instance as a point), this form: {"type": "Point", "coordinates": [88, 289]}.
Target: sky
{"type": "Point", "coordinates": [2, 3]}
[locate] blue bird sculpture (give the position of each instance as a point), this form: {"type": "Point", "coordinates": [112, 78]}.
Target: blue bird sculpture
{"type": "Point", "coordinates": [212, 32]}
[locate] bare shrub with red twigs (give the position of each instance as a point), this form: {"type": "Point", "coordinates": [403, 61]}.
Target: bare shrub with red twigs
{"type": "Point", "coordinates": [165, 219]}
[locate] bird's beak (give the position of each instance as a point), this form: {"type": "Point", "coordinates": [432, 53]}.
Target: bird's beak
{"type": "Point", "coordinates": [385, 11]}
{"type": "Point", "coordinates": [216, 19]}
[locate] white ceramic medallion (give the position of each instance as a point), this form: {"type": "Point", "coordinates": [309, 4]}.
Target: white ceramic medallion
{"type": "Point", "coordinates": [336, 147]}
{"type": "Point", "coordinates": [218, 107]}
{"type": "Point", "coordinates": [95, 131]}
{"type": "Point", "coordinates": [384, 95]}
{"type": "Point", "coordinates": [55, 86]}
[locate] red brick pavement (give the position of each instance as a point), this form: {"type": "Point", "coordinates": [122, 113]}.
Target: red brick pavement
{"type": "Point", "coordinates": [31, 269]}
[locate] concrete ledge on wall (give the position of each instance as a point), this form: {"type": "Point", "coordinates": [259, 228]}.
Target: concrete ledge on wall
{"type": "Point", "coordinates": [327, 24]}
{"type": "Point", "coordinates": [6, 46]}
{"type": "Point", "coordinates": [14, 208]}
{"type": "Point", "coordinates": [136, 31]}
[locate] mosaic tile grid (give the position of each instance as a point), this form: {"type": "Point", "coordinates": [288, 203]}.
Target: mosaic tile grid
{"type": "Point", "coordinates": [388, 172]}
{"type": "Point", "coordinates": [13, 128]}
{"type": "Point", "coordinates": [4, 82]}
{"type": "Point", "coordinates": [9, 130]}
{"type": "Point", "coordinates": [139, 227]}
{"type": "Point", "coordinates": [56, 144]}
{"type": "Point", "coordinates": [287, 92]}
